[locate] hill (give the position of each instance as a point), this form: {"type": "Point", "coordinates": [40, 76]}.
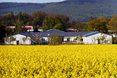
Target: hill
{"type": "Point", "coordinates": [77, 10]}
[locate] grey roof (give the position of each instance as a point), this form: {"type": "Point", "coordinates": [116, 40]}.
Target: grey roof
{"type": "Point", "coordinates": [53, 31]}
{"type": "Point", "coordinates": [24, 33]}
{"type": "Point", "coordinates": [61, 33]}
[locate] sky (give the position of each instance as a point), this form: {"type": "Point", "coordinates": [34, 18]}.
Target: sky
{"type": "Point", "coordinates": [31, 1]}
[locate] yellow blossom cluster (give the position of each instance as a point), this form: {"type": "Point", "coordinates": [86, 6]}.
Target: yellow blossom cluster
{"type": "Point", "coordinates": [62, 61]}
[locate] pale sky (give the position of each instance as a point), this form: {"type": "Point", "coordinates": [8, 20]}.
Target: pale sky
{"type": "Point", "coordinates": [31, 1]}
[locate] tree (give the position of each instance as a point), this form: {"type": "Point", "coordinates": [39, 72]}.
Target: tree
{"type": "Point", "coordinates": [25, 18]}
{"type": "Point", "coordinates": [78, 26]}
{"type": "Point", "coordinates": [40, 16]}
{"type": "Point", "coordinates": [55, 39]}
{"type": "Point", "coordinates": [79, 38]}
{"type": "Point", "coordinates": [98, 38]}
{"type": "Point", "coordinates": [24, 38]}
{"type": "Point", "coordinates": [36, 38]}
{"type": "Point", "coordinates": [97, 25]}
{"type": "Point", "coordinates": [48, 23]}
{"type": "Point", "coordinates": [2, 32]}
{"type": "Point", "coordinates": [9, 39]}
{"type": "Point", "coordinates": [20, 16]}
{"type": "Point", "coordinates": [60, 26]}
{"type": "Point", "coordinates": [6, 38]}
{"type": "Point", "coordinates": [51, 21]}
{"type": "Point", "coordinates": [12, 15]}
{"type": "Point", "coordinates": [35, 22]}
{"type": "Point", "coordinates": [113, 24]}
{"type": "Point", "coordinates": [57, 19]}
{"type": "Point", "coordinates": [103, 38]}
{"type": "Point", "coordinates": [12, 39]}
{"type": "Point", "coordinates": [19, 27]}
{"type": "Point", "coordinates": [7, 20]}
{"type": "Point", "coordinates": [93, 40]}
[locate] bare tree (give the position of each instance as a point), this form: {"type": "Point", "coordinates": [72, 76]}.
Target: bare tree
{"type": "Point", "coordinates": [36, 38]}
{"type": "Point", "coordinates": [98, 38]}
{"type": "Point", "coordinates": [25, 38]}
{"type": "Point", "coordinates": [103, 38]}
{"type": "Point", "coordinates": [79, 38]}
{"type": "Point", "coordinates": [55, 39]}
{"type": "Point", "coordinates": [9, 39]}
{"type": "Point", "coordinates": [93, 40]}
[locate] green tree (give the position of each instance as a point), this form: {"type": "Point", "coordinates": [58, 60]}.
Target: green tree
{"type": "Point", "coordinates": [35, 22]}
{"type": "Point", "coordinates": [12, 15]}
{"type": "Point", "coordinates": [2, 32]}
{"type": "Point", "coordinates": [60, 26]}
{"type": "Point", "coordinates": [97, 25]}
{"type": "Point", "coordinates": [25, 18]}
{"type": "Point", "coordinates": [113, 24]}
{"type": "Point", "coordinates": [39, 16]}
{"type": "Point", "coordinates": [48, 23]}
{"type": "Point", "coordinates": [19, 27]}
{"type": "Point", "coordinates": [55, 39]}
{"type": "Point", "coordinates": [51, 21]}
{"type": "Point", "coordinates": [7, 20]}
{"type": "Point", "coordinates": [57, 19]}
{"type": "Point", "coordinates": [20, 16]}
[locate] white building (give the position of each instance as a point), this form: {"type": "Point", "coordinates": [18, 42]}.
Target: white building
{"type": "Point", "coordinates": [91, 37]}
{"type": "Point", "coordinates": [19, 39]}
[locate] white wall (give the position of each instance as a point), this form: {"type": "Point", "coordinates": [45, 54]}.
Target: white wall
{"type": "Point", "coordinates": [93, 39]}
{"type": "Point", "coordinates": [45, 40]}
{"type": "Point", "coordinates": [71, 38]}
{"type": "Point", "coordinates": [19, 38]}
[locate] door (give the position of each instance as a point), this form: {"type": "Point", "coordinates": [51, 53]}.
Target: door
{"type": "Point", "coordinates": [17, 42]}
{"type": "Point", "coordinates": [98, 41]}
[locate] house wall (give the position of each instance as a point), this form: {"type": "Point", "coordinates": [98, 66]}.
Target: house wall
{"type": "Point", "coordinates": [19, 38]}
{"type": "Point", "coordinates": [45, 40]}
{"type": "Point", "coordinates": [71, 38]}
{"type": "Point", "coordinates": [93, 39]}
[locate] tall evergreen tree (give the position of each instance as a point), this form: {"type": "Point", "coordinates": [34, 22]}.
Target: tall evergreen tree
{"type": "Point", "coordinates": [20, 16]}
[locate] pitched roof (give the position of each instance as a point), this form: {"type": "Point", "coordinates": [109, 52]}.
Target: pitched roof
{"type": "Point", "coordinates": [24, 33]}
{"type": "Point", "coordinates": [61, 33]}
{"type": "Point", "coordinates": [53, 31]}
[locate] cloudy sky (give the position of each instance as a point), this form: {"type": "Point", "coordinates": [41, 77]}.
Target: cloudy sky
{"type": "Point", "coordinates": [32, 1]}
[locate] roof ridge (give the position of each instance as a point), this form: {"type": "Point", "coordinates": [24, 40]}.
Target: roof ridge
{"type": "Point", "coordinates": [54, 29]}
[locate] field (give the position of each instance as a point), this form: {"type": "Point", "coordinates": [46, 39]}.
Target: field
{"type": "Point", "coordinates": [63, 61]}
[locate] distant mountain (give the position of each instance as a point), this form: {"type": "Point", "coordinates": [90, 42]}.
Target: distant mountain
{"type": "Point", "coordinates": [78, 10]}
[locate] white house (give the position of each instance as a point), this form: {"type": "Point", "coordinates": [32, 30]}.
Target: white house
{"type": "Point", "coordinates": [90, 37]}
{"type": "Point", "coordinates": [97, 38]}
{"type": "Point", "coordinates": [19, 39]}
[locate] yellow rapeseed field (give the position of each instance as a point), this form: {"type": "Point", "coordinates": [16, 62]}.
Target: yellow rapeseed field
{"type": "Point", "coordinates": [63, 61]}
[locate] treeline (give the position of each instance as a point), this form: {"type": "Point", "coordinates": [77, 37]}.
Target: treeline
{"type": "Point", "coordinates": [48, 21]}
{"type": "Point", "coordinates": [38, 19]}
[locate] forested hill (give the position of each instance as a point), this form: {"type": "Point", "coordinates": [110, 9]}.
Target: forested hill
{"type": "Point", "coordinates": [78, 10]}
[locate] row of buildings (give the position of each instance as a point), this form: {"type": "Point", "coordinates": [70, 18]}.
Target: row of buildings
{"type": "Point", "coordinates": [31, 29]}
{"type": "Point", "coordinates": [89, 37]}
